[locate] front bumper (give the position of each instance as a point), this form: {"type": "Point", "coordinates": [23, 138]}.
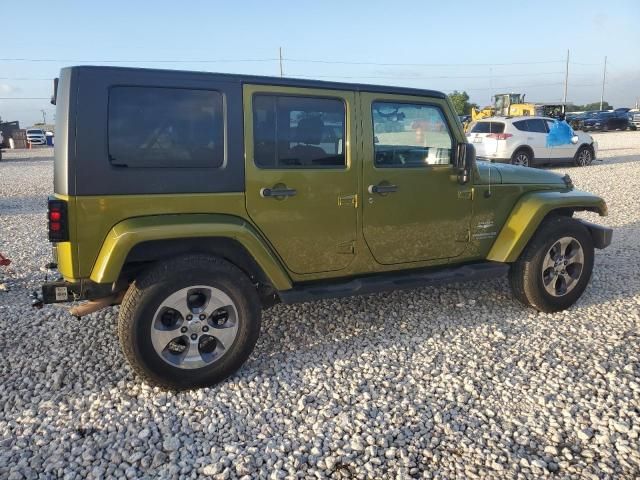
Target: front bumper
{"type": "Point", "coordinates": [601, 236]}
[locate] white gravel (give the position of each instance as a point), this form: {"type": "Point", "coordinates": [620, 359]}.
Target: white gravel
{"type": "Point", "coordinates": [458, 381]}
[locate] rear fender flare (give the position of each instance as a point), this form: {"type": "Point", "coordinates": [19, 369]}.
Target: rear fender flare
{"type": "Point", "coordinates": [124, 236]}
{"type": "Point", "coordinates": [529, 212]}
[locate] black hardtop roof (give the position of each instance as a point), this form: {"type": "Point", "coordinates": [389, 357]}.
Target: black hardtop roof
{"type": "Point", "coordinates": [276, 81]}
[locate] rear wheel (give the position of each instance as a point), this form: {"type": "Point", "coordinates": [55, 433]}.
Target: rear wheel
{"type": "Point", "coordinates": [555, 267]}
{"type": "Point", "coordinates": [584, 156]}
{"type": "Point", "coordinates": [189, 322]}
{"type": "Point", "coordinates": [522, 158]}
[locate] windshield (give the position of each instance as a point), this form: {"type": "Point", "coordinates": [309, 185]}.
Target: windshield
{"type": "Point", "coordinates": [39, 132]}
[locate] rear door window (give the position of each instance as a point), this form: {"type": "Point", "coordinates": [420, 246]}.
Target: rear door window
{"type": "Point", "coordinates": [488, 127]}
{"type": "Point", "coordinates": [165, 127]}
{"type": "Point", "coordinates": [298, 132]}
{"type": "Point", "coordinates": [536, 125]}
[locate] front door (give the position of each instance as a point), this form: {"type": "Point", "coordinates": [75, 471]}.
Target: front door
{"type": "Point", "coordinates": [414, 209]}
{"type": "Point", "coordinates": [562, 147]}
{"type": "Point", "coordinates": [301, 174]}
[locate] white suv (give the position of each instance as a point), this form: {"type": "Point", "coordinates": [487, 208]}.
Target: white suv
{"type": "Point", "coordinates": [36, 136]}
{"type": "Point", "coordinates": [523, 141]}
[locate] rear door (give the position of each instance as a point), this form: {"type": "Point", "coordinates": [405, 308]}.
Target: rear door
{"type": "Point", "coordinates": [414, 209]}
{"type": "Point", "coordinates": [301, 173]}
{"type": "Point", "coordinates": [537, 138]}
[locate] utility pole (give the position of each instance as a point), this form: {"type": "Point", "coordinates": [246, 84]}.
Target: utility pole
{"type": "Point", "coordinates": [604, 76]}
{"type": "Point", "coordinates": [566, 82]}
{"type": "Point", "coordinates": [281, 71]}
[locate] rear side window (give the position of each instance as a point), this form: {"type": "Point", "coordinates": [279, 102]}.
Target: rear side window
{"type": "Point", "coordinates": [298, 132]}
{"type": "Point", "coordinates": [165, 127]}
{"type": "Point", "coordinates": [410, 135]}
{"type": "Point", "coordinates": [488, 127]}
{"type": "Point", "coordinates": [521, 125]}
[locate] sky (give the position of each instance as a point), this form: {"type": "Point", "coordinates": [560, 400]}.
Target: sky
{"type": "Point", "coordinates": [482, 47]}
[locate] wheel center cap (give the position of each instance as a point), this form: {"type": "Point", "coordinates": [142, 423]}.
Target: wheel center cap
{"type": "Point", "coordinates": [195, 325]}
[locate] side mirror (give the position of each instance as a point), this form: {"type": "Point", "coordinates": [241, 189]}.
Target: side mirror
{"type": "Point", "coordinates": [465, 160]}
{"type": "Point", "coordinates": [574, 139]}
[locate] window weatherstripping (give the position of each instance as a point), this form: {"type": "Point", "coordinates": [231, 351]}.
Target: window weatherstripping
{"type": "Point", "coordinates": [410, 135]}
{"type": "Point", "coordinates": [298, 132]}
{"type": "Point", "coordinates": [154, 127]}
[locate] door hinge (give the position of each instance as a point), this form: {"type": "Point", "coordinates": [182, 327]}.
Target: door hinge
{"type": "Point", "coordinates": [465, 194]}
{"type": "Point", "coordinates": [348, 200]}
{"type": "Point", "coordinates": [347, 248]}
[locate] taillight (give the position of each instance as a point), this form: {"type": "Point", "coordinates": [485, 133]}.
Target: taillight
{"type": "Point", "coordinates": [57, 216]}
{"type": "Point", "coordinates": [500, 136]}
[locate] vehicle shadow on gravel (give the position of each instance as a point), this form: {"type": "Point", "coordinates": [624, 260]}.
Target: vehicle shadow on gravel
{"type": "Point", "coordinates": [615, 271]}
{"type": "Point", "coordinates": [601, 161]}
{"type": "Point", "coordinates": [23, 205]}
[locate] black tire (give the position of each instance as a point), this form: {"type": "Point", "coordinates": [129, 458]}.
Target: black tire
{"type": "Point", "coordinates": [522, 157]}
{"type": "Point", "coordinates": [145, 295]}
{"type": "Point", "coordinates": [584, 156]}
{"type": "Point", "coordinates": [526, 274]}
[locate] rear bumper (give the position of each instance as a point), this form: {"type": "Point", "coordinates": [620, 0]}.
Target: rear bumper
{"type": "Point", "coordinates": [601, 236]}
{"type": "Point", "coordinates": [63, 291]}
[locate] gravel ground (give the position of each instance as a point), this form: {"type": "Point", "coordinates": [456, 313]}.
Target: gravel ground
{"type": "Point", "coordinates": [459, 381]}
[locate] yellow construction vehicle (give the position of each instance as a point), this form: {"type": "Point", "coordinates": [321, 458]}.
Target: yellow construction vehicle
{"type": "Point", "coordinates": [513, 105]}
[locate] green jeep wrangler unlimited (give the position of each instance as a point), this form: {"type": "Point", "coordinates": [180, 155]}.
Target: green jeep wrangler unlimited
{"type": "Point", "coordinates": [197, 199]}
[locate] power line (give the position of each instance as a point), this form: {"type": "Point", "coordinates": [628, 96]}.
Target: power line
{"type": "Point", "coordinates": [294, 60]}
{"type": "Point", "coordinates": [422, 77]}
{"type": "Point", "coordinates": [341, 62]}
{"type": "Point", "coordinates": [137, 61]}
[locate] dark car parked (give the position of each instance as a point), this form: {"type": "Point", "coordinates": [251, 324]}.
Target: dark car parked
{"type": "Point", "coordinates": [606, 121]}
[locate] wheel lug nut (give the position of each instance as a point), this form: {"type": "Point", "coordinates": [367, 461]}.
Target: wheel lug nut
{"type": "Point", "coordinates": [189, 317]}
{"type": "Point", "coordinates": [184, 329]}
{"type": "Point", "coordinates": [205, 329]}
{"type": "Point", "coordinates": [194, 336]}
{"type": "Point", "coordinates": [202, 316]}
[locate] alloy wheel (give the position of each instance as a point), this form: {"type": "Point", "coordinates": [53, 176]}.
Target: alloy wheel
{"type": "Point", "coordinates": [562, 266]}
{"type": "Point", "coordinates": [521, 159]}
{"type": "Point", "coordinates": [194, 327]}
{"type": "Point", "coordinates": [584, 157]}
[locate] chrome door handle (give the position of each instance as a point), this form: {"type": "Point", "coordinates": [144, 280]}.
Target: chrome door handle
{"type": "Point", "coordinates": [382, 188]}
{"type": "Point", "coordinates": [277, 192]}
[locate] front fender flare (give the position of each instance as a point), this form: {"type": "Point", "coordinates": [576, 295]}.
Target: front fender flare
{"type": "Point", "coordinates": [129, 233]}
{"type": "Point", "coordinates": [528, 213]}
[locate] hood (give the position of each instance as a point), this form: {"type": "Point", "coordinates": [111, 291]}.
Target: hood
{"type": "Point", "coordinates": [511, 174]}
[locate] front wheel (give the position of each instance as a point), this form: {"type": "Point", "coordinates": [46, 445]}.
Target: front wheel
{"type": "Point", "coordinates": [555, 267]}
{"type": "Point", "coordinates": [584, 157]}
{"type": "Point", "coordinates": [189, 322]}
